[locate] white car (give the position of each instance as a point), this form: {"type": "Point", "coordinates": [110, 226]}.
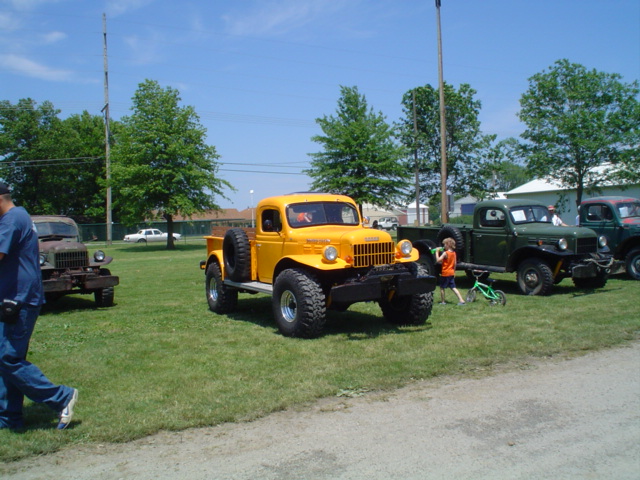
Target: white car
{"type": "Point", "coordinates": [149, 235]}
{"type": "Point", "coordinates": [388, 223]}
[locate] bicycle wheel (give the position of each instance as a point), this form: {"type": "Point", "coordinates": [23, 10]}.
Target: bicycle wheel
{"type": "Point", "coordinates": [501, 298]}
{"type": "Point", "coordinates": [471, 295]}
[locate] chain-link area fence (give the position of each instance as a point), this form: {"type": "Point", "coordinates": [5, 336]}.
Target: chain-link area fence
{"type": "Point", "coordinates": [197, 228]}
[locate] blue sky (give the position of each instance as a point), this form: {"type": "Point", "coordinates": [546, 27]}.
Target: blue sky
{"type": "Point", "coordinates": [259, 72]}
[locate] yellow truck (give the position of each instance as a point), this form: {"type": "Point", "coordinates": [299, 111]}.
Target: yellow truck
{"type": "Point", "coordinates": [313, 252]}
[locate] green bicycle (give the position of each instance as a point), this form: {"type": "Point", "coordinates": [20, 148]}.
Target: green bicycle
{"type": "Point", "coordinates": [495, 297]}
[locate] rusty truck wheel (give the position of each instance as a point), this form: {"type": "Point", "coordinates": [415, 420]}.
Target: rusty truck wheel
{"type": "Point", "coordinates": [237, 255]}
{"type": "Point", "coordinates": [104, 297]}
{"type": "Point", "coordinates": [221, 299]}
{"type": "Point", "coordinates": [299, 305]}
{"type": "Point", "coordinates": [535, 277]}
{"type": "Point", "coordinates": [409, 309]}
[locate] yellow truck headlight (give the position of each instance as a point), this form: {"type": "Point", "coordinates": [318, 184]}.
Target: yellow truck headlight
{"type": "Point", "coordinates": [405, 247]}
{"type": "Point", "coordinates": [330, 253]}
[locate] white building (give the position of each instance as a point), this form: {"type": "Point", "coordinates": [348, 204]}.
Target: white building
{"type": "Point", "coordinates": [422, 212]}
{"type": "Point", "coordinates": [550, 192]}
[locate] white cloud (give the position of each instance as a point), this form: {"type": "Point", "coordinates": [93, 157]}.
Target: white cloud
{"type": "Point", "coordinates": [145, 50]}
{"type": "Point", "coordinates": [28, 5]}
{"type": "Point", "coordinates": [29, 68]}
{"type": "Point", "coordinates": [53, 37]}
{"type": "Point", "coordinates": [280, 16]}
{"type": "Point", "coordinates": [119, 7]}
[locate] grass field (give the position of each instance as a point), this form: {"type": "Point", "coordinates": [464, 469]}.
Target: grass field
{"type": "Point", "coordinates": [160, 360]}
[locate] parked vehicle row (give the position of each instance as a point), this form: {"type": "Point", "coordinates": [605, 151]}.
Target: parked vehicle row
{"type": "Point", "coordinates": [516, 235]}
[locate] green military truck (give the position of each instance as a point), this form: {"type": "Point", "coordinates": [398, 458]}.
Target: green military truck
{"type": "Point", "coordinates": [518, 236]}
{"type": "Point", "coordinates": [618, 219]}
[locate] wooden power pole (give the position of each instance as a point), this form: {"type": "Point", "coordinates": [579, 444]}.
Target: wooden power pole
{"type": "Point", "coordinates": [444, 212]}
{"type": "Point", "coordinates": [107, 132]}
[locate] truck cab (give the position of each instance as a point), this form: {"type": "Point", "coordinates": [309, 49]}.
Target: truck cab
{"type": "Point", "coordinates": [618, 219]}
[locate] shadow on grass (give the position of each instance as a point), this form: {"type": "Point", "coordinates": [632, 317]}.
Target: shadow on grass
{"type": "Point", "coordinates": [70, 303]}
{"type": "Point", "coordinates": [355, 325]}
{"type": "Point", "coordinates": [510, 287]}
{"type": "Point", "coordinates": [40, 417]}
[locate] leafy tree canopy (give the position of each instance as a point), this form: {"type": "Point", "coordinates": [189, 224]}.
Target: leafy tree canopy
{"type": "Point", "coordinates": [162, 166]}
{"type": "Point", "coordinates": [360, 157]}
{"type": "Point", "coordinates": [466, 146]}
{"type": "Point", "coordinates": [54, 166]}
{"type": "Point", "coordinates": [577, 119]}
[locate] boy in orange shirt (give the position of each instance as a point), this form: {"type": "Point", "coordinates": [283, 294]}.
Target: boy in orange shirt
{"type": "Point", "coordinates": [447, 257]}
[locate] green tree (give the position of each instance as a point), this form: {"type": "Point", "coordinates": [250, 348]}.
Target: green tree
{"type": "Point", "coordinates": [360, 157]}
{"type": "Point", "coordinates": [506, 169]}
{"type": "Point", "coordinates": [467, 148]}
{"type": "Point", "coordinates": [27, 143]}
{"type": "Point", "coordinates": [54, 166]}
{"type": "Point", "coordinates": [162, 166]}
{"type": "Point", "coordinates": [577, 119]}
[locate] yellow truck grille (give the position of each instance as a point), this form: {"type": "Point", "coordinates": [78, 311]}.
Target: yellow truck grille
{"type": "Point", "coordinates": [371, 254]}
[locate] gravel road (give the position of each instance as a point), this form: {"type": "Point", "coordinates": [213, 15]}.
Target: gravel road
{"type": "Point", "coordinates": [556, 418]}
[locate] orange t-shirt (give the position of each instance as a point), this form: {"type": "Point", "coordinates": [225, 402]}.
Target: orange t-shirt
{"type": "Point", "coordinates": [449, 265]}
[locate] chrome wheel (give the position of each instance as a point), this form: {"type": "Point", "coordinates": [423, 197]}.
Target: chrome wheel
{"type": "Point", "coordinates": [288, 306]}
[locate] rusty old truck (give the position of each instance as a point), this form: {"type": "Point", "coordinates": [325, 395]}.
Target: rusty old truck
{"type": "Point", "coordinates": [312, 252]}
{"type": "Point", "coordinates": [66, 265]}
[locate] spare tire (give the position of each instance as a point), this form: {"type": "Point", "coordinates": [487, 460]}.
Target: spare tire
{"type": "Point", "coordinates": [236, 251]}
{"type": "Point", "coordinates": [448, 231]}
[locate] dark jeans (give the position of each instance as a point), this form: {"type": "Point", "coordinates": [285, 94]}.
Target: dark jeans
{"type": "Point", "coordinates": [20, 378]}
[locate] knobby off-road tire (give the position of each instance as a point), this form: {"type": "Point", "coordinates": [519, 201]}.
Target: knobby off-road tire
{"type": "Point", "coordinates": [452, 232]}
{"type": "Point", "coordinates": [299, 304]}
{"type": "Point", "coordinates": [535, 277]}
{"type": "Point", "coordinates": [410, 309]}
{"type": "Point", "coordinates": [632, 263]}
{"type": "Point", "coordinates": [427, 259]}
{"type": "Point", "coordinates": [221, 299]}
{"type": "Point", "coordinates": [599, 281]}
{"type": "Point", "coordinates": [236, 251]}
{"type": "Point", "coordinates": [104, 297]}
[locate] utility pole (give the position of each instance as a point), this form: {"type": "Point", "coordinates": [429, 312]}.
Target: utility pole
{"type": "Point", "coordinates": [415, 154]}
{"type": "Point", "coordinates": [107, 131]}
{"type": "Point", "coordinates": [444, 211]}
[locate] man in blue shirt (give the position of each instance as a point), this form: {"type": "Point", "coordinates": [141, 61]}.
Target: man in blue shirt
{"type": "Point", "coordinates": [21, 296]}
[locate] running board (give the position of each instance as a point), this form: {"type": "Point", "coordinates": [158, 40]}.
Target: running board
{"type": "Point", "coordinates": [251, 286]}
{"type": "Point", "coordinates": [484, 268]}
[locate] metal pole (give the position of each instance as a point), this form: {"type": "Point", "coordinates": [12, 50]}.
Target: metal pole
{"type": "Point", "coordinates": [107, 132]}
{"type": "Point", "coordinates": [444, 212]}
{"type": "Point", "coordinates": [415, 153]}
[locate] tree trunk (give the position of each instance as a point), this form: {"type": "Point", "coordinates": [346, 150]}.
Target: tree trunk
{"type": "Point", "coordinates": [170, 243]}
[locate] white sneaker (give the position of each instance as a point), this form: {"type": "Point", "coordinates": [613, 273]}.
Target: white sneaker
{"type": "Point", "coordinates": [67, 412]}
